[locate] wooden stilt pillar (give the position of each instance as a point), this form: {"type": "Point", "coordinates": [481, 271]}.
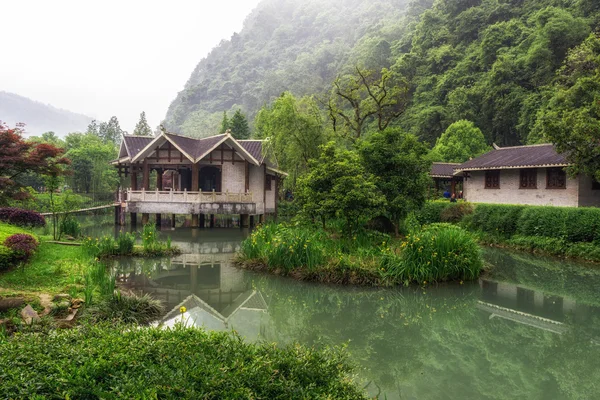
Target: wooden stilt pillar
{"type": "Point", "coordinates": [145, 218]}
{"type": "Point", "coordinates": [244, 220]}
{"type": "Point", "coordinates": [202, 221]}
{"type": "Point", "coordinates": [252, 221]}
{"type": "Point", "coordinates": [172, 220]}
{"type": "Point", "coordinates": [118, 215]}
{"type": "Point", "coordinates": [195, 221]}
{"type": "Point", "coordinates": [212, 220]}
{"type": "Point", "coordinates": [133, 217]}
{"type": "Point", "coordinates": [158, 220]}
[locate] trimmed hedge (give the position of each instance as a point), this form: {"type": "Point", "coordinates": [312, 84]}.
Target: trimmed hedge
{"type": "Point", "coordinates": [109, 362]}
{"type": "Point", "coordinates": [496, 218]}
{"type": "Point", "coordinates": [19, 217]}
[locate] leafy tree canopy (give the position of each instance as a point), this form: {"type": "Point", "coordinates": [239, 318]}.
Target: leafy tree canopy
{"type": "Point", "coordinates": [459, 143]}
{"type": "Point", "coordinates": [338, 186]}
{"type": "Point", "coordinates": [398, 162]}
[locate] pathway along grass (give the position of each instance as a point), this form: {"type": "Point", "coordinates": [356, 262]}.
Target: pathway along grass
{"type": "Point", "coordinates": [116, 362]}
{"type": "Point", "coordinates": [437, 253]}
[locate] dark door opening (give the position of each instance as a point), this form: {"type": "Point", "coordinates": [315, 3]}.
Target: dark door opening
{"type": "Point", "coordinates": [210, 179]}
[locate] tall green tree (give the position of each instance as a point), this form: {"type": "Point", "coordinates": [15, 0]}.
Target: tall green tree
{"type": "Point", "coordinates": [111, 132]}
{"type": "Point", "coordinates": [239, 125]}
{"type": "Point", "coordinates": [571, 119]}
{"type": "Point", "coordinates": [459, 143]}
{"type": "Point", "coordinates": [398, 162]}
{"type": "Point", "coordinates": [338, 186]}
{"type": "Point", "coordinates": [225, 125]}
{"type": "Point", "coordinates": [142, 128]}
{"type": "Point", "coordinates": [363, 97]}
{"type": "Point", "coordinates": [295, 130]}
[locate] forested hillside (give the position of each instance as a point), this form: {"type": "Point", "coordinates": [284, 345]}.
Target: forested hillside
{"type": "Point", "coordinates": [285, 45]}
{"type": "Point", "coordinates": [39, 117]}
{"type": "Point", "coordinates": [492, 62]}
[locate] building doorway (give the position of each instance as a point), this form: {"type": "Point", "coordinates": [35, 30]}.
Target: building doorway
{"type": "Point", "coordinates": [210, 179]}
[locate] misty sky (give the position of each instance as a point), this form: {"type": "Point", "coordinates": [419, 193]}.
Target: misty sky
{"type": "Point", "coordinates": [104, 58]}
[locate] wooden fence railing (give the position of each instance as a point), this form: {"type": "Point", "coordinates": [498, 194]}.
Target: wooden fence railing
{"type": "Point", "coordinates": [171, 196]}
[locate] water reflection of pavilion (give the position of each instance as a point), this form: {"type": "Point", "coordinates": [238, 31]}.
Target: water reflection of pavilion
{"type": "Point", "coordinates": [215, 294]}
{"type": "Point", "coordinates": [530, 307]}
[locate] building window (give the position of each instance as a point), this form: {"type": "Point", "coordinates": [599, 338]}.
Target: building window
{"type": "Point", "coordinates": [268, 182]}
{"type": "Point", "coordinates": [492, 179]}
{"type": "Point", "coordinates": [556, 178]}
{"type": "Point", "coordinates": [595, 184]}
{"type": "Point", "coordinates": [528, 179]}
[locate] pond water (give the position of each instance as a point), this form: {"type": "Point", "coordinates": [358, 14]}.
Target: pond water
{"type": "Point", "coordinates": [530, 329]}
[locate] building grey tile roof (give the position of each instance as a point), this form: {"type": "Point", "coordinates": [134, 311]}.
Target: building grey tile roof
{"type": "Point", "coordinates": [135, 144]}
{"type": "Point", "coordinates": [195, 147]}
{"type": "Point", "coordinates": [443, 170]}
{"type": "Point", "coordinates": [541, 155]}
{"type": "Point", "coordinates": [254, 147]}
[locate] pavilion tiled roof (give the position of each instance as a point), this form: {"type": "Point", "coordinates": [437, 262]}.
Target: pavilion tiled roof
{"type": "Point", "coordinates": [443, 170]}
{"type": "Point", "coordinates": [195, 148]}
{"type": "Point", "coordinates": [534, 156]}
{"type": "Point", "coordinates": [254, 147]}
{"type": "Point", "coordinates": [135, 144]}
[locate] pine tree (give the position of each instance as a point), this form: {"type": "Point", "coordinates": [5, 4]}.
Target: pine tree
{"type": "Point", "coordinates": [239, 126]}
{"type": "Point", "coordinates": [110, 132]}
{"type": "Point", "coordinates": [225, 123]}
{"type": "Point", "coordinates": [142, 128]}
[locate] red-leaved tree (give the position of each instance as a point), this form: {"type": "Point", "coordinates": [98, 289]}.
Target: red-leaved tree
{"type": "Point", "coordinates": [18, 156]}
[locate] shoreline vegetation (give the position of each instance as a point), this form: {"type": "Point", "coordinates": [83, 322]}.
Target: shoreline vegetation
{"type": "Point", "coordinates": [435, 253]}
{"type": "Point", "coordinates": [564, 232]}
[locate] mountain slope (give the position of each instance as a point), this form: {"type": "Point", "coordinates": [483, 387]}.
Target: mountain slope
{"type": "Point", "coordinates": [38, 117]}
{"type": "Point", "coordinates": [285, 45]}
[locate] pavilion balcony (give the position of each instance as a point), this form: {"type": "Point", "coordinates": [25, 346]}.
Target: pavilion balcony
{"type": "Point", "coordinates": [185, 202]}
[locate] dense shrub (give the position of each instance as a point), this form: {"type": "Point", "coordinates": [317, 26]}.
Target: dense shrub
{"type": "Point", "coordinates": [570, 224]}
{"type": "Point", "coordinates": [22, 245]}
{"type": "Point", "coordinates": [455, 212]}
{"type": "Point", "coordinates": [498, 219]}
{"type": "Point", "coordinates": [7, 258]}
{"type": "Point", "coordinates": [440, 252]}
{"type": "Point", "coordinates": [125, 242]}
{"type": "Point", "coordinates": [431, 212]}
{"type": "Point", "coordinates": [16, 216]}
{"type": "Point", "coordinates": [70, 226]}
{"type": "Point", "coordinates": [130, 309]}
{"type": "Point", "coordinates": [103, 361]}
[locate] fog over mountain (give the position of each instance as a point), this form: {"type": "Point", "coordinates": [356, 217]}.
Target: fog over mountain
{"type": "Point", "coordinates": [38, 117]}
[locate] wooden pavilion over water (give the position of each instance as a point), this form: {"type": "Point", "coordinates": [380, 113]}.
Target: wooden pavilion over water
{"type": "Point", "coordinates": [208, 176]}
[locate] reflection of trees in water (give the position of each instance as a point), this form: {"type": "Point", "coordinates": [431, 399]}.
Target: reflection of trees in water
{"type": "Point", "coordinates": [435, 343]}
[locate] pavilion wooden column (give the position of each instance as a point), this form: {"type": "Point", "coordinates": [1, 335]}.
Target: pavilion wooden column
{"type": "Point", "coordinates": [453, 190]}
{"type": "Point", "coordinates": [159, 187]}
{"type": "Point", "coordinates": [133, 176]}
{"type": "Point", "coordinates": [146, 186]}
{"type": "Point", "coordinates": [195, 187]}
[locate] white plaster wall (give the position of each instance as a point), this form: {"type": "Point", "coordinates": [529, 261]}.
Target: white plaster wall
{"type": "Point", "coordinates": [510, 193]}
{"type": "Point", "coordinates": [587, 196]}
{"type": "Point", "coordinates": [234, 177]}
{"type": "Point", "coordinates": [257, 185]}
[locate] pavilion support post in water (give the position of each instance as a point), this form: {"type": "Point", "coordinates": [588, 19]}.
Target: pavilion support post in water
{"type": "Point", "coordinates": [252, 221]}
{"type": "Point", "coordinates": [202, 221]}
{"type": "Point", "coordinates": [146, 186]}
{"type": "Point", "coordinates": [159, 187]}
{"type": "Point", "coordinates": [134, 186]}
{"type": "Point", "coordinates": [212, 220]}
{"type": "Point", "coordinates": [172, 220]}
{"type": "Point", "coordinates": [195, 187]}
{"type": "Point", "coordinates": [244, 220]}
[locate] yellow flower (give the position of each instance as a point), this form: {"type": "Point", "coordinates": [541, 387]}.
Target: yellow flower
{"type": "Point", "coordinates": [182, 309]}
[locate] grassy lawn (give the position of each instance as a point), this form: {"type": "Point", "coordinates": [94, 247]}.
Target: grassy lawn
{"type": "Point", "coordinates": [53, 269]}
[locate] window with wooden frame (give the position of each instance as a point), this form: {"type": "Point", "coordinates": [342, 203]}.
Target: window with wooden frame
{"type": "Point", "coordinates": [268, 180]}
{"type": "Point", "coordinates": [595, 184]}
{"type": "Point", "coordinates": [556, 178]}
{"type": "Point", "coordinates": [492, 179]}
{"type": "Point", "coordinates": [528, 179]}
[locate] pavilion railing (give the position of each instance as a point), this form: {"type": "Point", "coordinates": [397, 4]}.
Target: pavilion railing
{"type": "Point", "coordinates": [171, 196]}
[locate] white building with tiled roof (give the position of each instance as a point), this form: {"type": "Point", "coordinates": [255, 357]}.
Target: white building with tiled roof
{"type": "Point", "coordinates": [533, 175]}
